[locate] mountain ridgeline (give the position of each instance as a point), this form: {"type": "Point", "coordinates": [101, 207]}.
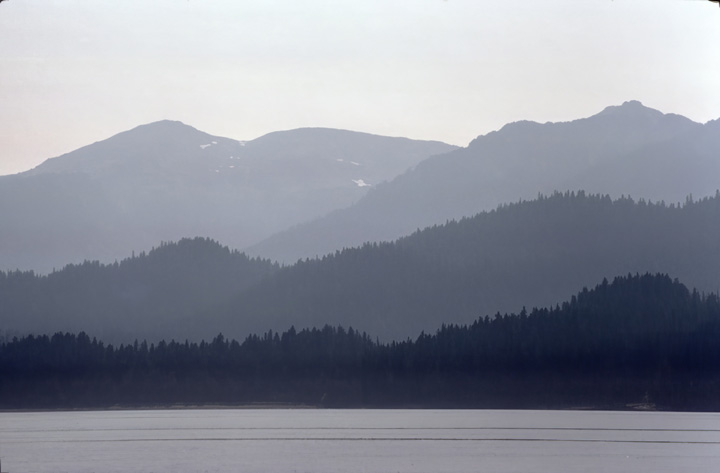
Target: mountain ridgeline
{"type": "Point", "coordinates": [166, 180]}
{"type": "Point", "coordinates": [624, 150]}
{"type": "Point", "coordinates": [146, 295]}
{"type": "Point", "coordinates": [531, 253]}
{"type": "Point", "coordinates": [309, 192]}
{"type": "Point", "coordinates": [638, 341]}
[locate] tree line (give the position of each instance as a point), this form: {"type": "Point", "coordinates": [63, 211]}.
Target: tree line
{"type": "Point", "coordinates": [638, 340]}
{"type": "Point", "coordinates": [531, 253]}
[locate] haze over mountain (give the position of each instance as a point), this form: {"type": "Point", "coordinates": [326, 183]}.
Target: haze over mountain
{"type": "Point", "coordinates": [166, 180]}
{"type": "Point", "coordinates": [534, 253]}
{"type": "Point", "coordinates": [624, 150]}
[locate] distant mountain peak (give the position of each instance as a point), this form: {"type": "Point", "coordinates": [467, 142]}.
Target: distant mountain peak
{"type": "Point", "coordinates": [165, 123]}
{"type": "Point", "coordinates": [626, 117]}
{"type": "Point", "coordinates": [634, 112]}
{"type": "Point", "coordinates": [631, 107]}
{"type": "Point", "coordinates": [164, 141]}
{"type": "Point", "coordinates": [634, 104]}
{"type": "Point", "coordinates": [161, 128]}
{"type": "Point", "coordinates": [520, 125]}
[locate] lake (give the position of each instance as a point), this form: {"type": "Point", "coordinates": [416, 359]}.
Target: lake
{"type": "Point", "coordinates": [310, 440]}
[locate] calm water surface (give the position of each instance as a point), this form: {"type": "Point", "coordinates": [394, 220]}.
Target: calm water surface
{"type": "Point", "coordinates": [317, 441]}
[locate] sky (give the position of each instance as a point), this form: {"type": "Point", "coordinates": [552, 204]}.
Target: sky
{"type": "Point", "coordinates": [73, 72]}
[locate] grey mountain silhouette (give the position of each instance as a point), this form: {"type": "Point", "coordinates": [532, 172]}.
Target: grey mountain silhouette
{"type": "Point", "coordinates": [166, 180]}
{"type": "Point", "coordinates": [624, 150]}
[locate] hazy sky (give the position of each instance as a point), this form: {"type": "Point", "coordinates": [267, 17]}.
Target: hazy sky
{"type": "Point", "coordinates": [77, 71]}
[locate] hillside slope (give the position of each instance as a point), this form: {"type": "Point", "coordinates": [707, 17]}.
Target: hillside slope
{"type": "Point", "coordinates": [166, 180]}
{"type": "Point", "coordinates": [623, 150]}
{"type": "Point", "coordinates": [532, 253]}
{"type": "Point", "coordinates": [148, 295]}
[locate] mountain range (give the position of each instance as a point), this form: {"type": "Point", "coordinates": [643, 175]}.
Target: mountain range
{"type": "Point", "coordinates": [309, 192]}
{"type": "Point", "coordinates": [166, 180]}
{"type": "Point", "coordinates": [496, 233]}
{"type": "Point", "coordinates": [529, 254]}
{"type": "Point", "coordinates": [629, 150]}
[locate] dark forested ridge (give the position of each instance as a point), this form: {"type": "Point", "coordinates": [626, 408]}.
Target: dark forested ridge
{"type": "Point", "coordinates": [640, 340]}
{"type": "Point", "coordinates": [531, 253]}
{"type": "Point", "coordinates": [147, 295]}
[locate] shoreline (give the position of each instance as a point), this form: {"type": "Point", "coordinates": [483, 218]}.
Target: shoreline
{"type": "Point", "coordinates": [172, 407]}
{"type": "Point", "coordinates": [292, 406]}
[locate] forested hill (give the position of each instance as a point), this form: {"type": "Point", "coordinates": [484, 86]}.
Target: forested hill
{"type": "Point", "coordinates": [532, 253]}
{"type": "Point", "coordinates": [146, 295]}
{"type": "Point", "coordinates": [638, 341]}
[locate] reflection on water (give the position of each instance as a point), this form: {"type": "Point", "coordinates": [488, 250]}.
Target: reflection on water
{"type": "Point", "coordinates": [287, 440]}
